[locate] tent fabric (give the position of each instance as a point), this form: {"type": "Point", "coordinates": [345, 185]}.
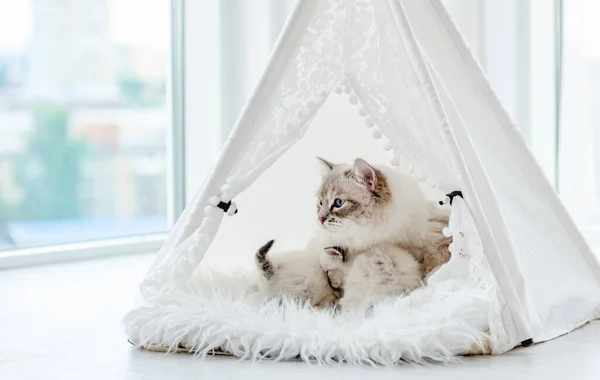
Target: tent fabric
{"type": "Point", "coordinates": [527, 216]}
{"type": "Point", "coordinates": [346, 75]}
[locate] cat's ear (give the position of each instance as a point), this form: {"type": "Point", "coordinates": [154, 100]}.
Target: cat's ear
{"type": "Point", "coordinates": [365, 173]}
{"type": "Point", "coordinates": [336, 252]}
{"type": "Point", "coordinates": [326, 166]}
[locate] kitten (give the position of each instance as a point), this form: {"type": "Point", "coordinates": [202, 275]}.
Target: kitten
{"type": "Point", "coordinates": [298, 274]}
{"type": "Point", "coordinates": [352, 279]}
{"type": "Point", "coordinates": [369, 275]}
{"type": "Point", "coordinates": [361, 206]}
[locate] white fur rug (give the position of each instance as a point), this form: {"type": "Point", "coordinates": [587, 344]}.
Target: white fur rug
{"type": "Point", "coordinates": [461, 311]}
{"type": "Point", "coordinates": [434, 323]}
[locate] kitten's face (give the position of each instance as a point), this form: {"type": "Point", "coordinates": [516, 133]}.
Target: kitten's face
{"type": "Point", "coordinates": [351, 197]}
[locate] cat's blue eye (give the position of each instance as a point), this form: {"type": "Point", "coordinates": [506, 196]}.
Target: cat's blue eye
{"type": "Point", "coordinates": [337, 202]}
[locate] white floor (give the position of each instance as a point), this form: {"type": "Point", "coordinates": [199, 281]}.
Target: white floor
{"type": "Point", "coordinates": [64, 322]}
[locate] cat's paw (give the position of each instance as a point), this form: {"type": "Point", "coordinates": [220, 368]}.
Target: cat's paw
{"type": "Point", "coordinates": [336, 278]}
{"type": "Point", "coordinates": [332, 263]}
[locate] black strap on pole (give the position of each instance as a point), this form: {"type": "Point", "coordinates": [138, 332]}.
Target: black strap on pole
{"type": "Point", "coordinates": [451, 196]}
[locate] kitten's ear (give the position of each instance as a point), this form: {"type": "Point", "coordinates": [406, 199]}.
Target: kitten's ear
{"type": "Point", "coordinates": [326, 165]}
{"type": "Point", "coordinates": [365, 173]}
{"type": "Point", "coordinates": [336, 252]}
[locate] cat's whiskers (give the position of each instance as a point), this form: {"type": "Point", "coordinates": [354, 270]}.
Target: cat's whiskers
{"type": "Point", "coordinates": [334, 224]}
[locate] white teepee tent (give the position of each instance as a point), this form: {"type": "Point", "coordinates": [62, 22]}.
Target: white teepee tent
{"type": "Point", "coordinates": [344, 70]}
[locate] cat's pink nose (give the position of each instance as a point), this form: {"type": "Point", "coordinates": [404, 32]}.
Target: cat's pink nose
{"type": "Point", "coordinates": [322, 219]}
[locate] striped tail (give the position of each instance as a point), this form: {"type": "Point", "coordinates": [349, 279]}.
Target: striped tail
{"type": "Point", "coordinates": [264, 265]}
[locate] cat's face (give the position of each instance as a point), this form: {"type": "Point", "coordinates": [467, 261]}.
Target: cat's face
{"type": "Point", "coordinates": [351, 196]}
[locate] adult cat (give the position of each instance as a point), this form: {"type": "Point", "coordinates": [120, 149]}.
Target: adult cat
{"type": "Point", "coordinates": [360, 206]}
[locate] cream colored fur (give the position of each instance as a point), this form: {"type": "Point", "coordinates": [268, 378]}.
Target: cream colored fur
{"type": "Point", "coordinates": [371, 275]}
{"type": "Point", "coordinates": [298, 274]}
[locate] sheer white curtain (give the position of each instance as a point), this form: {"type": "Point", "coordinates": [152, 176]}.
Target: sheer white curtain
{"type": "Point", "coordinates": [227, 44]}
{"type": "Point", "coordinates": [579, 131]}
{"type": "Point", "coordinates": [249, 30]}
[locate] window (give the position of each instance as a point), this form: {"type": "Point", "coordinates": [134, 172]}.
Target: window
{"type": "Point", "coordinates": [84, 120]}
